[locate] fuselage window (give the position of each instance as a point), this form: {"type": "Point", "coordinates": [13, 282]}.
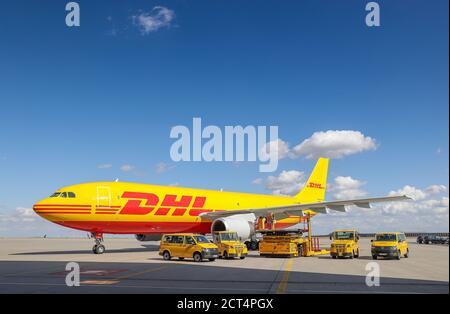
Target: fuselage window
{"type": "Point", "coordinates": [71, 194]}
{"type": "Point", "coordinates": [56, 194]}
{"type": "Point", "coordinates": [63, 194]}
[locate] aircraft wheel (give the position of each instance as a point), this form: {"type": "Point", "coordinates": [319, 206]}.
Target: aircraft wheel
{"type": "Point", "coordinates": [399, 255]}
{"type": "Point", "coordinates": [99, 249]}
{"type": "Point", "coordinates": [374, 257]}
{"type": "Point", "coordinates": [407, 253]}
{"type": "Point", "coordinates": [211, 259]}
{"type": "Point", "coordinates": [254, 245]}
{"type": "Point", "coordinates": [225, 255]}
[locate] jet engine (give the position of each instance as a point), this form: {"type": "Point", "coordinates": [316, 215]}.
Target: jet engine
{"type": "Point", "coordinates": [148, 237]}
{"type": "Point", "coordinates": [243, 224]}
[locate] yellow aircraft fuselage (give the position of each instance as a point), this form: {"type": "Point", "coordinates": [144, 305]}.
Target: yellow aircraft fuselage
{"type": "Point", "coordinates": [131, 208]}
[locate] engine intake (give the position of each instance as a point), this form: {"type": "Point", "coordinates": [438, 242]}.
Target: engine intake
{"type": "Point", "coordinates": [242, 224]}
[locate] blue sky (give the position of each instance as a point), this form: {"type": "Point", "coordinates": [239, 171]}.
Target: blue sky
{"type": "Point", "coordinates": [107, 93]}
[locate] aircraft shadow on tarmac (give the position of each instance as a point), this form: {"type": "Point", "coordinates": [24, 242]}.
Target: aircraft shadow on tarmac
{"type": "Point", "coordinates": [179, 278]}
{"type": "Point", "coordinates": [144, 248]}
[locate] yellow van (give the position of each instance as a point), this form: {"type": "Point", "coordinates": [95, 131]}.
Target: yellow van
{"type": "Point", "coordinates": [390, 244]}
{"type": "Point", "coordinates": [187, 245]}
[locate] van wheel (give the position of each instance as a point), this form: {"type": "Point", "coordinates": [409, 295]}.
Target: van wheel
{"type": "Point", "coordinates": [166, 255]}
{"type": "Point", "coordinates": [242, 257]}
{"type": "Point", "coordinates": [181, 258]}
{"type": "Point", "coordinates": [407, 253]}
{"type": "Point", "coordinates": [197, 257]}
{"type": "Point", "coordinates": [374, 257]}
{"type": "Point", "coordinates": [333, 256]}
{"type": "Point", "coordinates": [399, 255]}
{"type": "Point", "coordinates": [211, 259]}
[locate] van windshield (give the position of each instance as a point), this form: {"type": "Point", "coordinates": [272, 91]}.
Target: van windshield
{"type": "Point", "coordinates": [344, 235]}
{"type": "Point", "coordinates": [229, 236]}
{"type": "Point", "coordinates": [386, 237]}
{"type": "Point", "coordinates": [201, 239]}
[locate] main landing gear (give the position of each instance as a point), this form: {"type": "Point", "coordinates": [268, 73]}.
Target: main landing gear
{"type": "Point", "coordinates": [98, 248]}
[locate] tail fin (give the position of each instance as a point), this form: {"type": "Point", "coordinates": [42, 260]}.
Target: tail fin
{"type": "Point", "coordinates": [314, 190]}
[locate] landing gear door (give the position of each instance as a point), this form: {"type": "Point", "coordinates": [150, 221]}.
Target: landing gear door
{"type": "Point", "coordinates": [103, 196]}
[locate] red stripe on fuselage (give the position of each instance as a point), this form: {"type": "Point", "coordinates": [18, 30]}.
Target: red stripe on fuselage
{"type": "Point", "coordinates": [62, 208]}
{"type": "Point", "coordinates": [63, 205]}
{"type": "Point", "coordinates": [126, 227]}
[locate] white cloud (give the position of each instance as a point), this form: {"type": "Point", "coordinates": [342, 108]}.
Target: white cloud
{"type": "Point", "coordinates": [347, 188]}
{"type": "Point", "coordinates": [127, 168]}
{"type": "Point", "coordinates": [104, 166]}
{"type": "Point", "coordinates": [152, 21]}
{"type": "Point", "coordinates": [418, 194]}
{"type": "Point", "coordinates": [286, 183]}
{"type": "Point", "coordinates": [435, 189]}
{"type": "Point", "coordinates": [257, 181]}
{"type": "Point", "coordinates": [279, 146]}
{"type": "Point", "coordinates": [334, 144]}
{"type": "Point", "coordinates": [163, 167]}
{"type": "Point", "coordinates": [21, 214]}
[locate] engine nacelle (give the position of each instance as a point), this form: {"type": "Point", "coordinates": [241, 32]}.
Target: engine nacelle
{"type": "Point", "coordinates": [148, 237]}
{"type": "Point", "coordinates": [243, 224]}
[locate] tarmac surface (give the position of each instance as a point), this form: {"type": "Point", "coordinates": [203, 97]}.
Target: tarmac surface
{"type": "Point", "coordinates": [128, 266]}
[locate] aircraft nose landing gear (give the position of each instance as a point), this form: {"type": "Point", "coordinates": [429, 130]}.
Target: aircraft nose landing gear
{"type": "Point", "coordinates": [98, 248]}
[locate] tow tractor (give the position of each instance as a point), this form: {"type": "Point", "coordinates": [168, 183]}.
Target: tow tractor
{"type": "Point", "coordinates": [229, 245]}
{"type": "Point", "coordinates": [344, 244]}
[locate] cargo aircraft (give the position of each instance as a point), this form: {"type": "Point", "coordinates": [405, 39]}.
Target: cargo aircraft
{"type": "Point", "coordinates": [148, 211]}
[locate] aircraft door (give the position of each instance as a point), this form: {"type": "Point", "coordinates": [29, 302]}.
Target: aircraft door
{"type": "Point", "coordinates": [103, 196]}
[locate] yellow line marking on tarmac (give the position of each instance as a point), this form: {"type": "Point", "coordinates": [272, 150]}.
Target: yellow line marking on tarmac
{"type": "Point", "coordinates": [284, 281]}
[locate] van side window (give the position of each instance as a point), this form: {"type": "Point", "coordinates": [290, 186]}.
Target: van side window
{"type": "Point", "coordinates": [178, 239]}
{"type": "Point", "coordinates": [167, 239]}
{"type": "Point", "coordinates": [190, 240]}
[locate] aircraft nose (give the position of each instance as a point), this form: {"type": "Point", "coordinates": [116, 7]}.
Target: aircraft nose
{"type": "Point", "coordinates": [38, 206]}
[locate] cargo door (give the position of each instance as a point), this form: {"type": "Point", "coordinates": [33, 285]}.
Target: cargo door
{"type": "Point", "coordinates": [103, 196]}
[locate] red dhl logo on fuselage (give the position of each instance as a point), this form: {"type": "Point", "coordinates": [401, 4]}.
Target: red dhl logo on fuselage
{"type": "Point", "coordinates": [146, 203]}
{"type": "Point", "coordinates": [138, 203]}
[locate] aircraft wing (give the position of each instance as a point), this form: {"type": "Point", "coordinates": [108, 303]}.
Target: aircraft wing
{"type": "Point", "coordinates": [282, 212]}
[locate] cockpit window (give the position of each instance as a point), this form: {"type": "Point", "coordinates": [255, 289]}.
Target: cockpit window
{"type": "Point", "coordinates": [64, 194]}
